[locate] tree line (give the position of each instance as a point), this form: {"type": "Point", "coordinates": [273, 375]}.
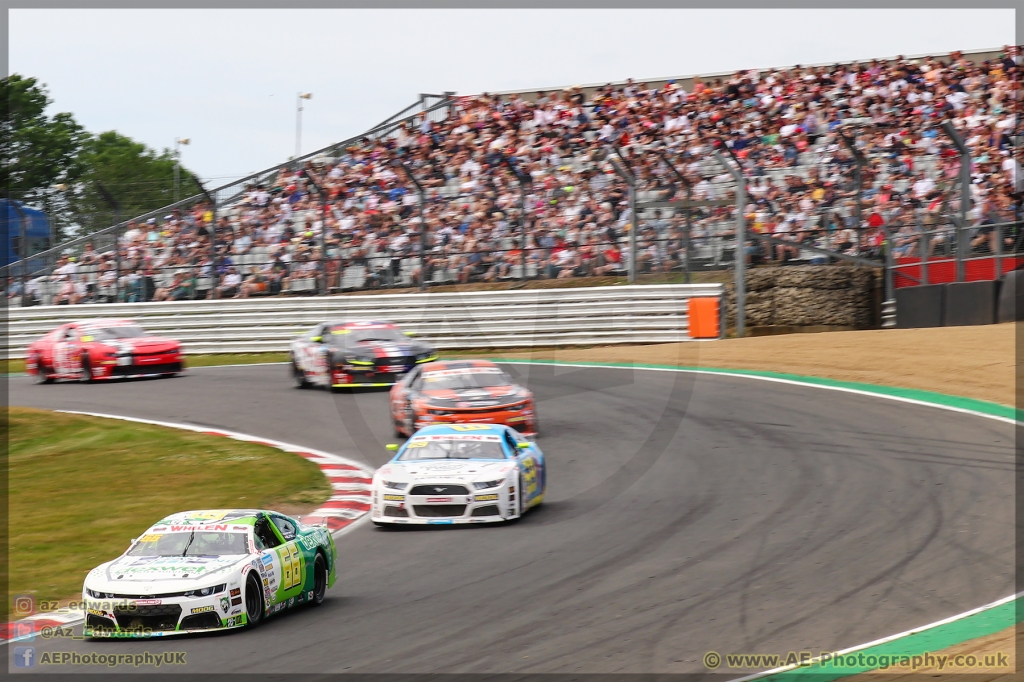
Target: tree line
{"type": "Point", "coordinates": [53, 163]}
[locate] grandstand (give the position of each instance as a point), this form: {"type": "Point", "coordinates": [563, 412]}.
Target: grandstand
{"type": "Point", "coordinates": [518, 185]}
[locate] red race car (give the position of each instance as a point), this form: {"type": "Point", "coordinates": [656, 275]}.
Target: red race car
{"type": "Point", "coordinates": [461, 392]}
{"type": "Point", "coordinates": [101, 349]}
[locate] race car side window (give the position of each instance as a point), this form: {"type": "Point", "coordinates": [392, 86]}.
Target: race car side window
{"type": "Point", "coordinates": [265, 534]}
{"type": "Point", "coordinates": [287, 528]}
{"type": "Point", "coordinates": [511, 443]}
{"type": "Point", "coordinates": [71, 334]}
{"type": "Point", "coordinates": [412, 379]}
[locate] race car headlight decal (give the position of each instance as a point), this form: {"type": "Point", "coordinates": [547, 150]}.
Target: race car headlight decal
{"type": "Point", "coordinates": [358, 361]}
{"type": "Point", "coordinates": [440, 413]}
{"type": "Point", "coordinates": [483, 485]}
{"type": "Point", "coordinates": [425, 357]}
{"type": "Point", "coordinates": [98, 595]}
{"type": "Point", "coordinates": [394, 485]}
{"type": "Point", "coordinates": [206, 591]}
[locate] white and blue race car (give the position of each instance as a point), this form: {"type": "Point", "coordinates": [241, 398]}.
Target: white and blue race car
{"type": "Point", "coordinates": [459, 473]}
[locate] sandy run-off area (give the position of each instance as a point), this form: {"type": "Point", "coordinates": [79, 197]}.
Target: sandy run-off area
{"type": "Point", "coordinates": [974, 362]}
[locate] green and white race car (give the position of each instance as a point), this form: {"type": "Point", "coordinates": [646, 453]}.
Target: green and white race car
{"type": "Point", "coordinates": [209, 570]}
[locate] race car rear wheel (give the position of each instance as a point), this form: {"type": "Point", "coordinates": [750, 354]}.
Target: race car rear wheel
{"type": "Point", "coordinates": [299, 376]}
{"type": "Point", "coordinates": [86, 371]}
{"type": "Point", "coordinates": [319, 580]}
{"type": "Point", "coordinates": [42, 376]}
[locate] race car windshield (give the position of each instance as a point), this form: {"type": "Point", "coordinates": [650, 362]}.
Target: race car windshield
{"type": "Point", "coordinates": [387, 334]}
{"type": "Point", "coordinates": [452, 449]}
{"type": "Point", "coordinates": [466, 380]}
{"type": "Point", "coordinates": [199, 543]}
{"type": "Point", "coordinates": [125, 332]}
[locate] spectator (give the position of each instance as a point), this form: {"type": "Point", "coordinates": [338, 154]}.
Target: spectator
{"type": "Point", "coordinates": [775, 122]}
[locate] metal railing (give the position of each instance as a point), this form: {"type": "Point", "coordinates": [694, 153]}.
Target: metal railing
{"type": "Point", "coordinates": [508, 319]}
{"type": "Point", "coordinates": [226, 195]}
{"type": "Point", "coordinates": [948, 253]}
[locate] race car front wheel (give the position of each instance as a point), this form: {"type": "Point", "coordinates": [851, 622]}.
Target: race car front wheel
{"type": "Point", "coordinates": [42, 376]}
{"type": "Point", "coordinates": [299, 375]}
{"type": "Point", "coordinates": [319, 580]}
{"type": "Point", "coordinates": [410, 420]}
{"type": "Point", "coordinates": [253, 600]}
{"type": "Point", "coordinates": [519, 501]}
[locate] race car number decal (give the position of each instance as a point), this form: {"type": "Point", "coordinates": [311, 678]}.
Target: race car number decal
{"type": "Point", "coordinates": [530, 477]}
{"type": "Point", "coordinates": [313, 359]}
{"type": "Point", "coordinates": [290, 566]}
{"type": "Point", "coordinates": [62, 357]}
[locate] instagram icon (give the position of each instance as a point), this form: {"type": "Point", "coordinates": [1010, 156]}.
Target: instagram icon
{"type": "Point", "coordinates": [24, 605]}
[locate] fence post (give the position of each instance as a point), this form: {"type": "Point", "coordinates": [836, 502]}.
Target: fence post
{"type": "Point", "coordinates": [689, 230]}
{"type": "Point", "coordinates": [117, 255]}
{"type": "Point", "coordinates": [889, 304]}
{"type": "Point", "coordinates": [634, 228]}
{"type": "Point", "coordinates": [999, 250]}
{"type": "Point", "coordinates": [858, 179]}
{"type": "Point", "coordinates": [108, 197]}
{"type": "Point", "coordinates": [923, 246]}
{"type": "Point", "coordinates": [525, 181]}
{"type": "Point", "coordinates": [618, 164]}
{"type": "Point", "coordinates": [741, 240]}
{"type": "Point", "coordinates": [423, 224]}
{"type": "Point", "coordinates": [965, 193]}
{"type": "Point", "coordinates": [689, 200]}
{"type": "Point", "coordinates": [23, 221]}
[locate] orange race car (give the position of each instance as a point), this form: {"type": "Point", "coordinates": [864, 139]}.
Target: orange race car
{"type": "Point", "coordinates": [461, 392]}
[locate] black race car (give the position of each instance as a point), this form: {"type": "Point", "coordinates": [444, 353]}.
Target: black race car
{"type": "Point", "coordinates": [354, 353]}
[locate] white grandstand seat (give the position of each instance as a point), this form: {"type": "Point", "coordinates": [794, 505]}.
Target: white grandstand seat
{"type": "Point", "coordinates": [354, 277]}
{"type": "Point", "coordinates": [408, 265]}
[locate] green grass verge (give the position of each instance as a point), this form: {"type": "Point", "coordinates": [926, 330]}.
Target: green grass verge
{"type": "Point", "coordinates": [233, 359]}
{"type": "Point", "coordinates": [82, 487]}
{"type": "Point", "coordinates": [211, 360]}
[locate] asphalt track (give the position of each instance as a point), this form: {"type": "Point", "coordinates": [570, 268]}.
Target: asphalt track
{"type": "Point", "coordinates": [685, 513]}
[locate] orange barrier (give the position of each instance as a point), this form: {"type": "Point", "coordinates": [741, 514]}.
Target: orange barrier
{"type": "Point", "coordinates": [704, 318]}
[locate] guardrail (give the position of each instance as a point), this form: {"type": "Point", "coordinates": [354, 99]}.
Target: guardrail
{"type": "Point", "coordinates": [506, 319]}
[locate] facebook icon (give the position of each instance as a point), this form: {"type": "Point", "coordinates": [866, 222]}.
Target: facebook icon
{"type": "Point", "coordinates": [24, 656]}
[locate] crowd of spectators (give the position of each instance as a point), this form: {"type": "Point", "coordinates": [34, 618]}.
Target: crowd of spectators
{"type": "Point", "coordinates": [783, 125]}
